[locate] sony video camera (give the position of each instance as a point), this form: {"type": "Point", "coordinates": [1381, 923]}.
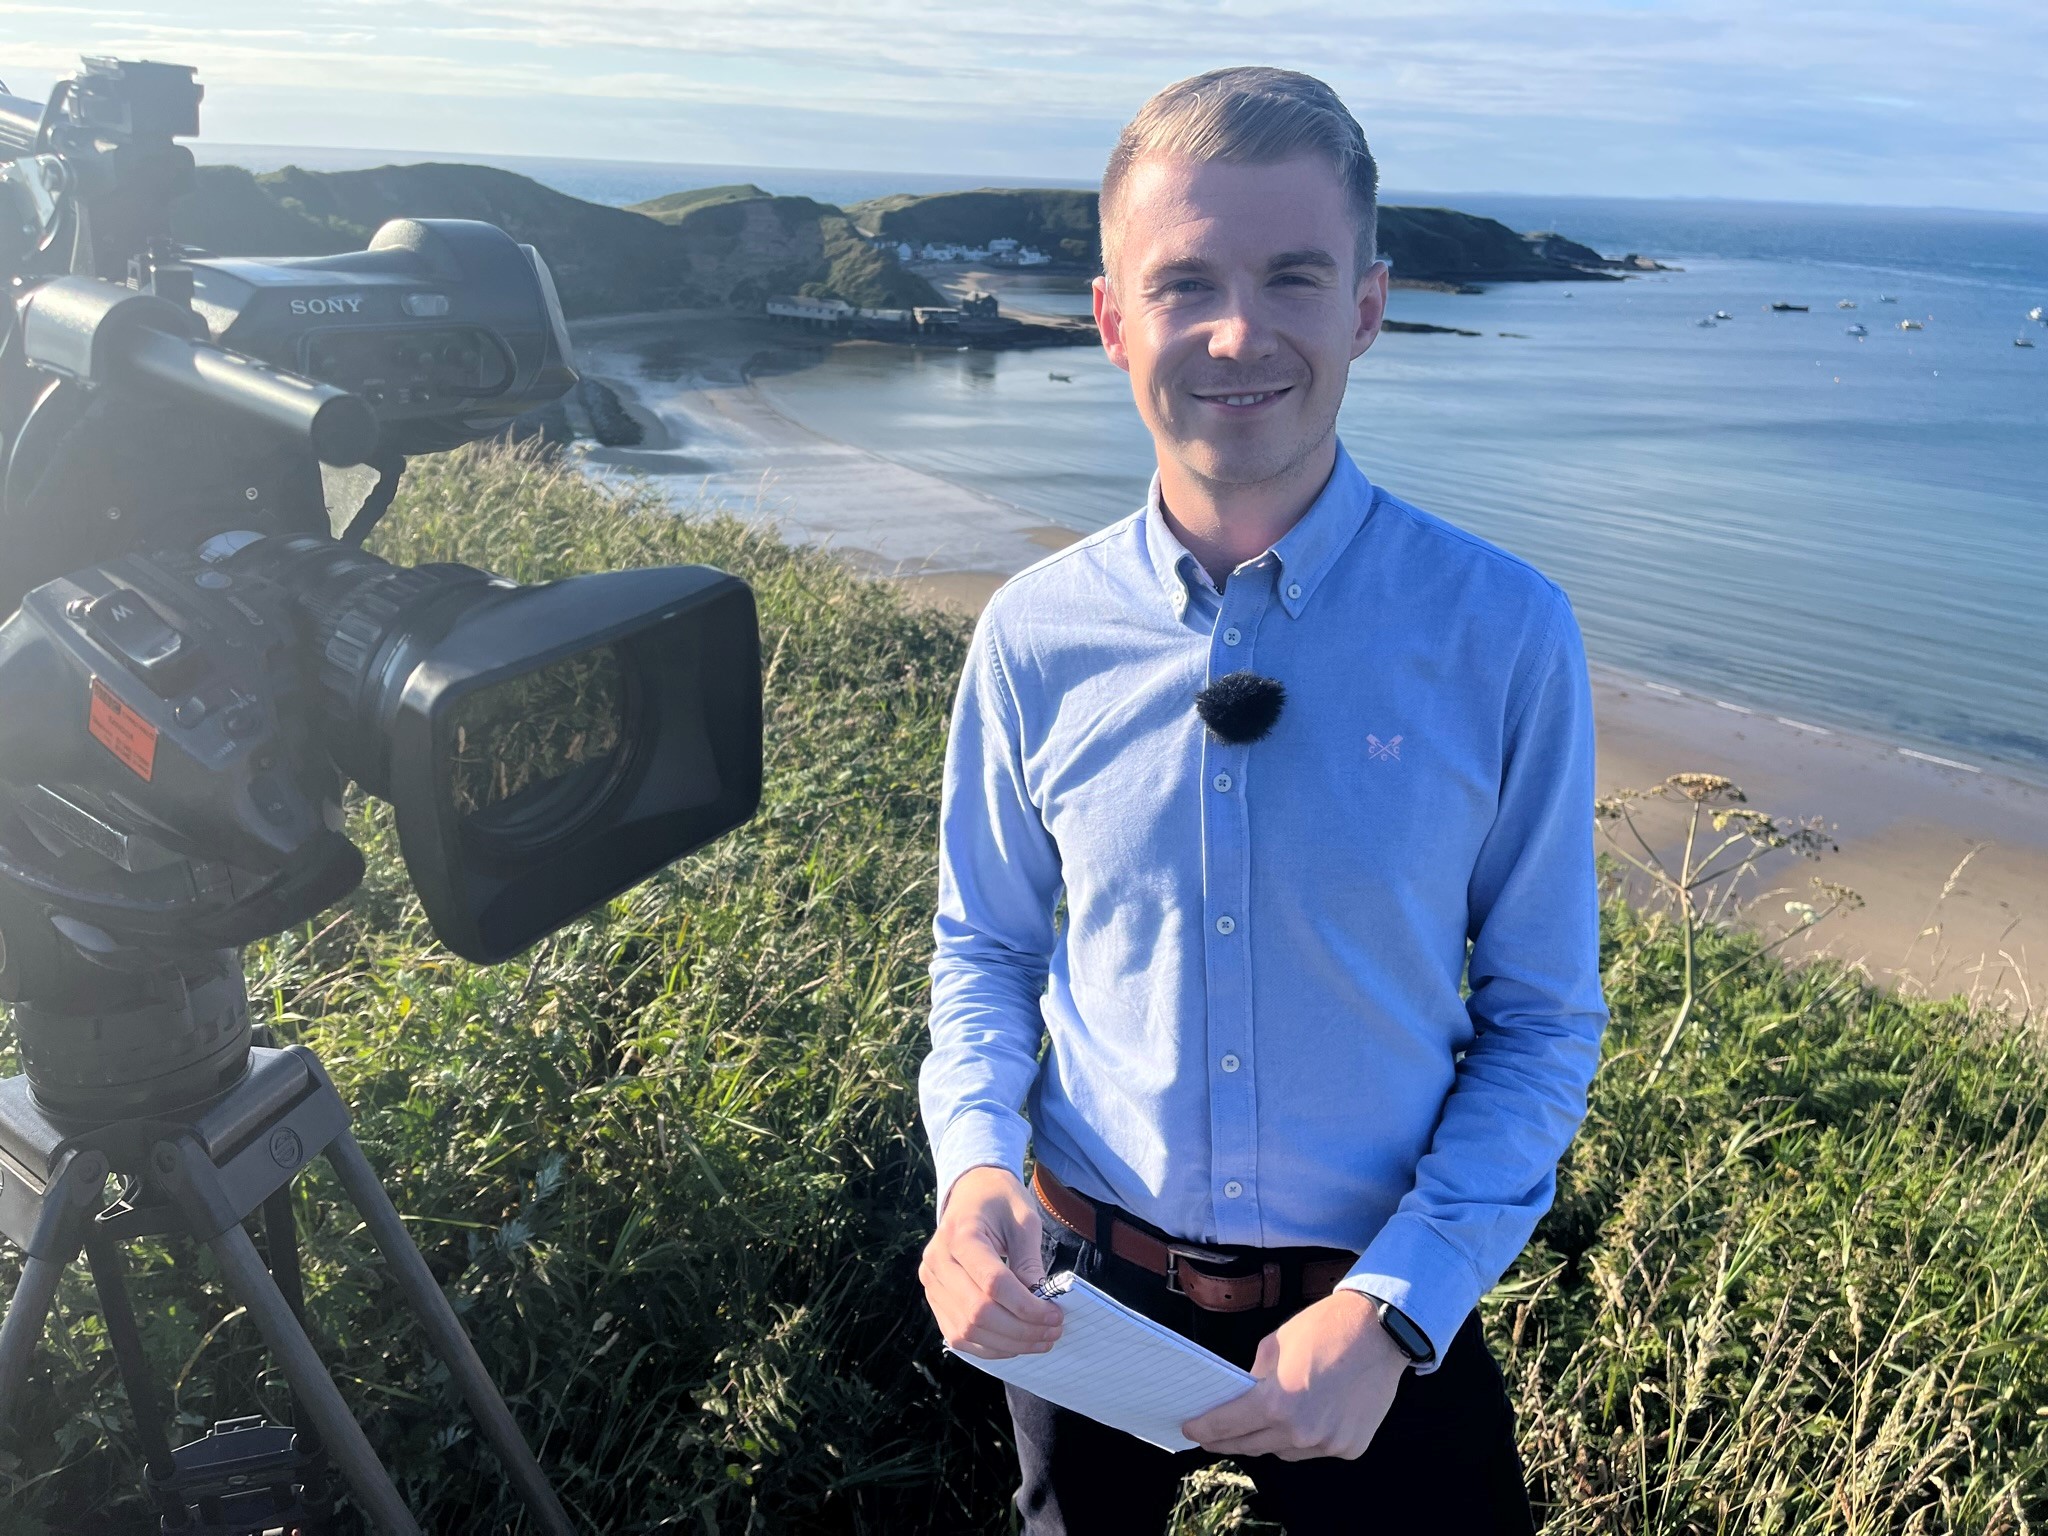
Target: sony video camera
{"type": "Point", "coordinates": [200, 653]}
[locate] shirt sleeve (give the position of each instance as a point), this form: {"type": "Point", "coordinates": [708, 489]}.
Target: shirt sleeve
{"type": "Point", "coordinates": [999, 883]}
{"type": "Point", "coordinates": [1537, 1013]}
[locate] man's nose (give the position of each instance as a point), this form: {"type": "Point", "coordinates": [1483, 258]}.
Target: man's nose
{"type": "Point", "coordinates": [1239, 331]}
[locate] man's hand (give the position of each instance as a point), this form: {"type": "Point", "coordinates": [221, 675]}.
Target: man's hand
{"type": "Point", "coordinates": [980, 1265]}
{"type": "Point", "coordinates": [1326, 1379]}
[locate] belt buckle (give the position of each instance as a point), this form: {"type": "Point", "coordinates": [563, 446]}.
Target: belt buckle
{"type": "Point", "coordinates": [1175, 1252]}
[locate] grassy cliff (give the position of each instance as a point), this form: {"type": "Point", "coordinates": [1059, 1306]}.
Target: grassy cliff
{"type": "Point", "coordinates": [668, 1165]}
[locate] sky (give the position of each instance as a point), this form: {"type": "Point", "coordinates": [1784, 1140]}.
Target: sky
{"type": "Point", "coordinates": [1881, 102]}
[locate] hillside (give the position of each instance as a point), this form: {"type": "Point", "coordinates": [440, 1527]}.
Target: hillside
{"type": "Point", "coordinates": [717, 248]}
{"type": "Point", "coordinates": [668, 1167]}
{"type": "Point", "coordinates": [1426, 245]}
{"type": "Point", "coordinates": [1058, 221]}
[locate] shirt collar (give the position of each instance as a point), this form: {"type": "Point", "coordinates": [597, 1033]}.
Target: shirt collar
{"type": "Point", "coordinates": [1305, 552]}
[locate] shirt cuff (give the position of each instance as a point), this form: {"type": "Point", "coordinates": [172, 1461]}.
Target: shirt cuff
{"type": "Point", "coordinates": [1411, 1267]}
{"type": "Point", "coordinates": [980, 1138]}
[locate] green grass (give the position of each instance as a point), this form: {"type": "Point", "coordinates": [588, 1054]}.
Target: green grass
{"type": "Point", "coordinates": [674, 205]}
{"type": "Point", "coordinates": [668, 1165]}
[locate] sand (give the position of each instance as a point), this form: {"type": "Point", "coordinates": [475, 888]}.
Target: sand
{"type": "Point", "coordinates": [1951, 864]}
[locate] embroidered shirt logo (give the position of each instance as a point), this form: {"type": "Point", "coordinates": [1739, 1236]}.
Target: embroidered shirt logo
{"type": "Point", "coordinates": [1383, 751]}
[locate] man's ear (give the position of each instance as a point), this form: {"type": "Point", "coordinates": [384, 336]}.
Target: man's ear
{"type": "Point", "coordinates": [1372, 307]}
{"type": "Point", "coordinates": [1109, 321]}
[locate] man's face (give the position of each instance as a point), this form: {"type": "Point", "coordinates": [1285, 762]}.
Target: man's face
{"type": "Point", "coordinates": [1236, 306]}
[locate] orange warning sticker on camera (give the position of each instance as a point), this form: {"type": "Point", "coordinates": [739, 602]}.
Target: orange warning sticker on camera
{"type": "Point", "coordinates": [122, 731]}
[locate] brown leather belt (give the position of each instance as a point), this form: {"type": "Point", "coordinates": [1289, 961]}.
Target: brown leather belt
{"type": "Point", "coordinates": [1265, 1277]}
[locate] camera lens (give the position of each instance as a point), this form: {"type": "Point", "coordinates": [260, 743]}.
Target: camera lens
{"type": "Point", "coordinates": [535, 754]}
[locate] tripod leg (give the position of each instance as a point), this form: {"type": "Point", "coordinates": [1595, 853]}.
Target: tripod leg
{"type": "Point", "coordinates": [445, 1335]}
{"type": "Point", "coordinates": [119, 1315]}
{"type": "Point", "coordinates": [281, 1251]}
{"type": "Point", "coordinates": [340, 1435]}
{"type": "Point", "coordinates": [24, 1326]}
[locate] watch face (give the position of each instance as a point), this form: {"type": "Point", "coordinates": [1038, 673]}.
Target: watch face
{"type": "Point", "coordinates": [1408, 1338]}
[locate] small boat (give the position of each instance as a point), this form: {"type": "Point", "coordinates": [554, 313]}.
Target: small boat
{"type": "Point", "coordinates": [1885, 298]}
{"type": "Point", "coordinates": [2022, 341]}
{"type": "Point", "coordinates": [1859, 330]}
{"type": "Point", "coordinates": [1782, 308]}
{"type": "Point", "coordinates": [1705, 325]}
{"type": "Point", "coordinates": [2038, 314]}
{"type": "Point", "coordinates": [1911, 325]}
{"type": "Point", "coordinates": [1722, 314]}
{"type": "Point", "coordinates": [1061, 378]}
{"type": "Point", "coordinates": [1845, 303]}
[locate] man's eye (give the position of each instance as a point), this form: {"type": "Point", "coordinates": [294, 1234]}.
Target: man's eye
{"type": "Point", "coordinates": [1186, 285]}
{"type": "Point", "coordinates": [1298, 279]}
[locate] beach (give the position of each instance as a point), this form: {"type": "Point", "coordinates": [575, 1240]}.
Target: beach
{"type": "Point", "coordinates": [1949, 859]}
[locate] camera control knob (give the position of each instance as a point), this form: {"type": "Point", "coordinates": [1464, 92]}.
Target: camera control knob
{"type": "Point", "coordinates": [134, 631]}
{"type": "Point", "coordinates": [243, 719]}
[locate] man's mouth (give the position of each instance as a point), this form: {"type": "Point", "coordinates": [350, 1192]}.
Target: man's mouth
{"type": "Point", "coordinates": [1248, 399]}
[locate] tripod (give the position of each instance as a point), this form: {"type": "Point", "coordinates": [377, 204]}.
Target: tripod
{"type": "Point", "coordinates": [200, 1172]}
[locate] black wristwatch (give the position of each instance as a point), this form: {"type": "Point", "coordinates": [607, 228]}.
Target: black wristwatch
{"type": "Point", "coordinates": [1408, 1338]}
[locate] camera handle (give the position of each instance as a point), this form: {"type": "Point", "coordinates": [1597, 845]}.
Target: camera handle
{"type": "Point", "coordinates": [207, 1175]}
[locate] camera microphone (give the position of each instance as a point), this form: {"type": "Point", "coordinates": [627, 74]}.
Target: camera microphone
{"type": "Point", "coordinates": [1241, 706]}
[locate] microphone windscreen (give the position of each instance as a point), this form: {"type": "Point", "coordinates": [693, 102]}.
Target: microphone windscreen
{"type": "Point", "coordinates": [1241, 706]}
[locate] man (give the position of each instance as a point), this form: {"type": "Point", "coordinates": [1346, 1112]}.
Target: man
{"type": "Point", "coordinates": [1269, 1116]}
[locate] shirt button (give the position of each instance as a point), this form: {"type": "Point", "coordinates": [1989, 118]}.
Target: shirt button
{"type": "Point", "coordinates": [1222, 783]}
{"type": "Point", "coordinates": [1231, 635]}
{"type": "Point", "coordinates": [1231, 1063]}
{"type": "Point", "coordinates": [1226, 924]}
{"type": "Point", "coordinates": [1233, 1189]}
{"type": "Point", "coordinates": [1294, 589]}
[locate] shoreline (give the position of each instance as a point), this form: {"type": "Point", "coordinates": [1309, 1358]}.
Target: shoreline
{"type": "Point", "coordinates": [1950, 859]}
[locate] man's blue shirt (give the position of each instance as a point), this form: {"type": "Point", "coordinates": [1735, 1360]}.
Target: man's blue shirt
{"type": "Point", "coordinates": [1258, 1033]}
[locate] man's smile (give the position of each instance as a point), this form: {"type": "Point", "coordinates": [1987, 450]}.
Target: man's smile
{"type": "Point", "coordinates": [1246, 400]}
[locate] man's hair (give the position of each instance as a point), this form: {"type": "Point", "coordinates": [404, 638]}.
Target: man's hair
{"type": "Point", "coordinates": [1249, 115]}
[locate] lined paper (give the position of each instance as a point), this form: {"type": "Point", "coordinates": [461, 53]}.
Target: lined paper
{"type": "Point", "coordinates": [1120, 1368]}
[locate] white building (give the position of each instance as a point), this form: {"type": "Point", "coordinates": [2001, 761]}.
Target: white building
{"type": "Point", "coordinates": [951, 252]}
{"type": "Point", "coordinates": [828, 310]}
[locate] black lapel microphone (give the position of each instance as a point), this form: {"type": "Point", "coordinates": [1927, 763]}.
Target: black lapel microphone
{"type": "Point", "coordinates": [1241, 706]}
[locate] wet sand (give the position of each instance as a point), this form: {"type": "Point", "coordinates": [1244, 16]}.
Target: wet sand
{"type": "Point", "coordinates": [1951, 863]}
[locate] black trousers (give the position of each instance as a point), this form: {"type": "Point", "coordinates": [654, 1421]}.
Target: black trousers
{"type": "Point", "coordinates": [1444, 1461]}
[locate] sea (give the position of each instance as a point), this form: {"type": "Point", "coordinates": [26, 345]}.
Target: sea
{"type": "Point", "coordinates": [1771, 510]}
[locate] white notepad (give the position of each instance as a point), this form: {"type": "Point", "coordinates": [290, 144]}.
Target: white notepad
{"type": "Point", "coordinates": [1120, 1368]}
